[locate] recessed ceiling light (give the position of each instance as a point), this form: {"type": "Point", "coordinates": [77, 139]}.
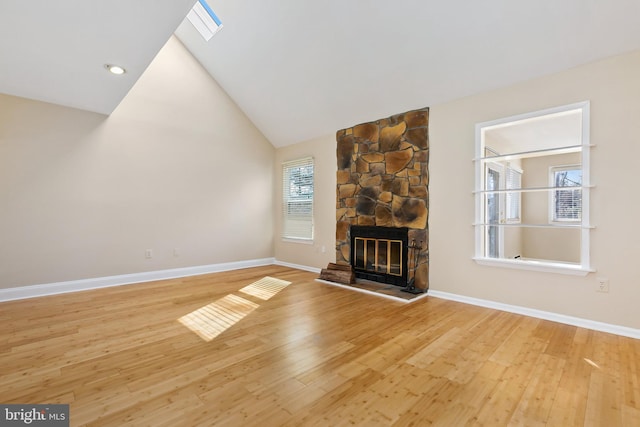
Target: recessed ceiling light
{"type": "Point", "coordinates": [115, 69]}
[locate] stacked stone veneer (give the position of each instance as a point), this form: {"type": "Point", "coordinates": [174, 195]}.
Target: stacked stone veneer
{"type": "Point", "coordinates": [383, 180]}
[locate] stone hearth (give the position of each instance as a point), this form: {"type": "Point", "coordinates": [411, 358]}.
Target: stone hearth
{"type": "Point", "coordinates": [383, 180]}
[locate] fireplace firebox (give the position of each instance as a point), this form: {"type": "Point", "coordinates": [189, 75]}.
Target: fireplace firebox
{"type": "Point", "coordinates": [380, 253]}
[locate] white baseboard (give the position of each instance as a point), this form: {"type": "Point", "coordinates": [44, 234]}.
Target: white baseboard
{"type": "Point", "coordinates": [546, 315]}
{"type": "Point", "coordinates": [298, 266]}
{"type": "Point", "coordinates": [33, 291]}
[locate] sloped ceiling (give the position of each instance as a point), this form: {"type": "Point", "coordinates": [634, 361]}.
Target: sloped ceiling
{"type": "Point", "coordinates": [302, 69]}
{"type": "Point", "coordinates": [55, 51]}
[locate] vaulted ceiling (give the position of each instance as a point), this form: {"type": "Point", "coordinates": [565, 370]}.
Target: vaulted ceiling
{"type": "Point", "coordinates": [304, 69]}
{"type": "Point", "coordinates": [55, 51]}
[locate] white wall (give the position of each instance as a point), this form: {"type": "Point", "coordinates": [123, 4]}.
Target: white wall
{"type": "Point", "coordinates": [613, 88]}
{"type": "Point", "coordinates": [177, 165]}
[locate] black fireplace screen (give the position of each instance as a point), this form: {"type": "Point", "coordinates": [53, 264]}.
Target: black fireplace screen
{"type": "Point", "coordinates": [380, 253]}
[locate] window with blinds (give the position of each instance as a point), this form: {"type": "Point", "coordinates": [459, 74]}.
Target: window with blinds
{"type": "Point", "coordinates": [566, 199]}
{"type": "Point", "coordinates": [297, 199]}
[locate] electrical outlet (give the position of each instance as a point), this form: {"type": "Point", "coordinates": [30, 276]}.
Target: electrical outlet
{"type": "Point", "coordinates": [603, 285]}
{"type": "Point", "coordinates": [148, 254]}
{"type": "Point", "coordinates": [176, 252]}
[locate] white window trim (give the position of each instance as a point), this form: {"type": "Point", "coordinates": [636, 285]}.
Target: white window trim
{"type": "Point", "coordinates": [582, 268]}
{"type": "Point", "coordinates": [301, 240]}
{"type": "Point", "coordinates": [535, 265]}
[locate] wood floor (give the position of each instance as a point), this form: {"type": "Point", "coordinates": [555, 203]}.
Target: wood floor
{"type": "Point", "coordinates": [223, 350]}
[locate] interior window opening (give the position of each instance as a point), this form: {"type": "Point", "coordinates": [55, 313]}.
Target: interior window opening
{"type": "Point", "coordinates": [532, 190]}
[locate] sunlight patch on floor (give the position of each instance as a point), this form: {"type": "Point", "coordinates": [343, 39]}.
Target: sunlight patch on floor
{"type": "Point", "coordinates": [265, 288]}
{"type": "Point", "coordinates": [215, 318]}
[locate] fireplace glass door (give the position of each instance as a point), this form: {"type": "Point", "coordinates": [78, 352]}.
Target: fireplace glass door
{"type": "Point", "coordinates": [379, 255]}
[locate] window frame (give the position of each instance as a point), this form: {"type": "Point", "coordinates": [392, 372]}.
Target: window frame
{"type": "Point", "coordinates": [583, 267]}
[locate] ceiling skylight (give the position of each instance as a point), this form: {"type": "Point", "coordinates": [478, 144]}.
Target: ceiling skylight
{"type": "Point", "coordinates": [204, 19]}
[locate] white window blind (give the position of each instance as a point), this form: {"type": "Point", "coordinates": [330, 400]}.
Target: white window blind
{"type": "Point", "coordinates": [513, 181]}
{"type": "Point", "coordinates": [297, 199]}
{"type": "Point", "coordinates": [567, 203]}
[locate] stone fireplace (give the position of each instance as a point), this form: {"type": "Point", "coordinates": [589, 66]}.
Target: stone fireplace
{"type": "Point", "coordinates": [382, 181]}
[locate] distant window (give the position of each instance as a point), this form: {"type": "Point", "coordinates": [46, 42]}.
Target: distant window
{"type": "Point", "coordinates": [297, 199]}
{"type": "Point", "coordinates": [204, 19]}
{"type": "Point", "coordinates": [566, 203]}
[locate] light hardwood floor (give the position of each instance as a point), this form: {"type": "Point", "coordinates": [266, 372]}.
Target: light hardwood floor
{"type": "Point", "coordinates": [312, 354]}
